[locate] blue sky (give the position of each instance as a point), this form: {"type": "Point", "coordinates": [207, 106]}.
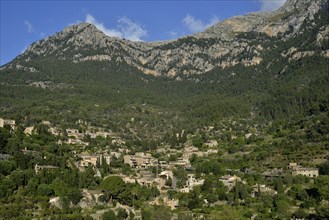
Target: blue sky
{"type": "Point", "coordinates": [24, 22]}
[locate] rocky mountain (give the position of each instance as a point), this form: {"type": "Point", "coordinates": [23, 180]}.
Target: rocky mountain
{"type": "Point", "coordinates": [242, 40]}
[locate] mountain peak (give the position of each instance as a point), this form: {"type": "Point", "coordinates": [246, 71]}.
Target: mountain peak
{"type": "Point", "coordinates": [80, 27]}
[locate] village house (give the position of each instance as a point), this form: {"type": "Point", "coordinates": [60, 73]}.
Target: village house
{"type": "Point", "coordinates": [100, 134]}
{"type": "Point", "coordinates": [296, 169]}
{"type": "Point", "coordinates": [38, 168]}
{"type": "Point", "coordinates": [54, 131]}
{"type": "Point", "coordinates": [117, 141]}
{"type": "Point", "coordinates": [180, 162]}
{"type": "Point", "coordinates": [274, 173]}
{"type": "Point", "coordinates": [123, 150]}
{"type": "Point", "coordinates": [30, 152]}
{"type": "Point", "coordinates": [189, 151]}
{"type": "Point", "coordinates": [144, 181]}
{"type": "Point", "coordinates": [91, 196]}
{"type": "Point", "coordinates": [88, 160]}
{"type": "Point", "coordinates": [171, 203]}
{"type": "Point", "coordinates": [211, 143]}
{"type": "Point", "coordinates": [230, 181]}
{"type": "Point", "coordinates": [211, 151]}
{"type": "Point", "coordinates": [94, 160]}
{"type": "Point", "coordinates": [4, 122]}
{"type": "Point", "coordinates": [47, 123]}
{"type": "Point", "coordinates": [74, 133]}
{"type": "Point", "coordinates": [166, 174]}
{"type": "Point", "coordinates": [262, 188]}
{"type": "Point", "coordinates": [190, 183]}
{"type": "Point", "coordinates": [160, 183]}
{"type": "Point", "coordinates": [115, 154]}
{"type": "Point", "coordinates": [77, 142]}
{"type": "Point", "coordinates": [29, 130]}
{"type": "Point", "coordinates": [145, 174]}
{"type": "Point", "coordinates": [140, 160]}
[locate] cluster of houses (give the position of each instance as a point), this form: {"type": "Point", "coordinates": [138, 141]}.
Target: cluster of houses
{"type": "Point", "coordinates": [74, 136]}
{"type": "Point", "coordinates": [142, 163]}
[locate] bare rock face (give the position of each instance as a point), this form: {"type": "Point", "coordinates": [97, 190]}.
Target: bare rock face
{"type": "Point", "coordinates": [222, 45]}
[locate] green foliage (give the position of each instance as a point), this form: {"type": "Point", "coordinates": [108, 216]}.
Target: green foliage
{"type": "Point", "coordinates": [226, 213]}
{"type": "Point", "coordinates": [322, 183]}
{"type": "Point", "coordinates": [113, 185]}
{"type": "Point", "coordinates": [156, 212]}
{"type": "Point", "coordinates": [6, 167]}
{"type": "Point", "coordinates": [181, 176]}
{"type": "Point", "coordinates": [323, 211]}
{"type": "Point", "coordinates": [109, 215]}
{"type": "Point", "coordinates": [324, 168]}
{"type": "Point", "coordinates": [45, 190]}
{"type": "Point", "coordinates": [122, 214]}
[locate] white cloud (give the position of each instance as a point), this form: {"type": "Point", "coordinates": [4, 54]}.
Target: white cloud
{"type": "Point", "coordinates": [131, 30]}
{"type": "Point", "coordinates": [109, 32]}
{"type": "Point", "coordinates": [271, 5]}
{"type": "Point", "coordinates": [125, 28]}
{"type": "Point", "coordinates": [173, 34]}
{"type": "Point", "coordinates": [195, 25]}
{"type": "Point", "coordinates": [29, 26]}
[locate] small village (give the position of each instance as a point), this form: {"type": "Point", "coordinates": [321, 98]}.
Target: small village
{"type": "Point", "coordinates": [146, 169]}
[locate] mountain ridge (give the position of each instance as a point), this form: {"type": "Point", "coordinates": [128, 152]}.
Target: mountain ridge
{"type": "Point", "coordinates": [219, 46]}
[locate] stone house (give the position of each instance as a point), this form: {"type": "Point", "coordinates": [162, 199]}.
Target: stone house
{"type": "Point", "coordinates": [211, 143]}
{"type": "Point", "coordinates": [296, 169]}
{"type": "Point", "coordinates": [54, 131]}
{"type": "Point", "coordinates": [115, 154]}
{"type": "Point", "coordinates": [274, 173]}
{"type": "Point", "coordinates": [38, 168]}
{"type": "Point", "coordinates": [74, 133]}
{"type": "Point", "coordinates": [94, 160]}
{"type": "Point", "coordinates": [4, 122]}
{"type": "Point", "coordinates": [192, 181]}
{"type": "Point", "coordinates": [230, 181]}
{"type": "Point", "coordinates": [167, 174]}
{"type": "Point", "coordinates": [262, 188]}
{"type": "Point", "coordinates": [140, 160]}
{"type": "Point", "coordinates": [189, 151]}
{"type": "Point", "coordinates": [77, 142]}
{"type": "Point", "coordinates": [29, 130]}
{"type": "Point", "coordinates": [172, 203]}
{"type": "Point", "coordinates": [90, 197]}
{"type": "Point", "coordinates": [180, 162]}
